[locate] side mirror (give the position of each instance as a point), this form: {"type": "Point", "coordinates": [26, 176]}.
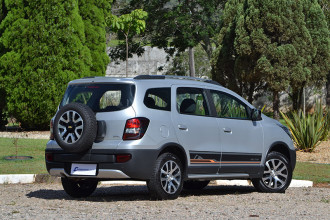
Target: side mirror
{"type": "Point", "coordinates": [256, 115]}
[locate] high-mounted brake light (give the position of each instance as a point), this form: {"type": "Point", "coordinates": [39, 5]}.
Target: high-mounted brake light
{"type": "Point", "coordinates": [135, 128]}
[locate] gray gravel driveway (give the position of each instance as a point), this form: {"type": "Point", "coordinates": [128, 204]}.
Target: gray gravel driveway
{"type": "Point", "coordinates": [49, 201]}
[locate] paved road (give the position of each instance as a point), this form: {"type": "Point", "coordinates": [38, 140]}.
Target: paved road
{"type": "Point", "coordinates": [49, 201]}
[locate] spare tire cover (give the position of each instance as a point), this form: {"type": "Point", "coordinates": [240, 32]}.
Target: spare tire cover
{"type": "Point", "coordinates": [75, 127]}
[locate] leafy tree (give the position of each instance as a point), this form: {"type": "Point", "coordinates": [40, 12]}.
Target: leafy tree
{"type": "Point", "coordinates": [94, 13]}
{"type": "Point", "coordinates": [3, 13]}
{"type": "Point", "coordinates": [319, 65]}
{"type": "Point", "coordinates": [326, 10]}
{"type": "Point", "coordinates": [129, 25]}
{"type": "Point", "coordinates": [44, 43]}
{"type": "Point", "coordinates": [180, 63]}
{"type": "Point", "coordinates": [265, 44]}
{"type": "Point", "coordinates": [180, 25]}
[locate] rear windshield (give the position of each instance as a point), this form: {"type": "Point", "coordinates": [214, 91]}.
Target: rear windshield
{"type": "Point", "coordinates": [100, 97]}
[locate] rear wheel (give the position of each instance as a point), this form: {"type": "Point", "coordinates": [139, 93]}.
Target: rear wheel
{"type": "Point", "coordinates": [167, 178]}
{"type": "Point", "coordinates": [195, 184]}
{"type": "Point", "coordinates": [277, 175]}
{"type": "Point", "coordinates": [79, 188]}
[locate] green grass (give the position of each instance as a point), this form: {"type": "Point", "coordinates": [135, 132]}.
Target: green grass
{"type": "Point", "coordinates": [318, 173]}
{"type": "Point", "coordinates": [26, 147]}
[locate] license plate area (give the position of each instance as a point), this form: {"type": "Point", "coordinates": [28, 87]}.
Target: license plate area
{"type": "Point", "coordinates": [78, 169]}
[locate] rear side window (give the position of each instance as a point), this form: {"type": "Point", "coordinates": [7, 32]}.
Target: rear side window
{"type": "Point", "coordinates": [158, 98]}
{"type": "Point", "coordinates": [105, 97]}
{"type": "Point", "coordinates": [191, 101]}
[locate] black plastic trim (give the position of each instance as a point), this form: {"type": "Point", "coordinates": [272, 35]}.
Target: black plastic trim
{"type": "Point", "coordinates": [139, 167]}
{"type": "Point", "coordinates": [101, 131]}
{"type": "Point", "coordinates": [253, 157]}
{"type": "Point", "coordinates": [150, 77]}
{"type": "Point", "coordinates": [175, 145]}
{"type": "Point", "coordinates": [206, 169]}
{"type": "Point", "coordinates": [241, 168]}
{"type": "Point", "coordinates": [292, 153]}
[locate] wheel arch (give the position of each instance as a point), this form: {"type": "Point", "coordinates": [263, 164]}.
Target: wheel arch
{"type": "Point", "coordinates": [284, 149]}
{"type": "Point", "coordinates": [178, 150]}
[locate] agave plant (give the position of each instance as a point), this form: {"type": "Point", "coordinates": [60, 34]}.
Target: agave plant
{"type": "Point", "coordinates": [308, 130]}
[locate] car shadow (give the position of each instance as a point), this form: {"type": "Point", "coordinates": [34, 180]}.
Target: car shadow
{"type": "Point", "coordinates": [135, 193]}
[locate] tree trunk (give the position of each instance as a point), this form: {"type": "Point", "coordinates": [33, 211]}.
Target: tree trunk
{"type": "Point", "coordinates": [328, 90]}
{"type": "Point", "coordinates": [191, 62]}
{"type": "Point", "coordinates": [126, 56]}
{"type": "Point", "coordinates": [251, 91]}
{"type": "Point", "coordinates": [276, 105]}
{"type": "Point", "coordinates": [297, 98]}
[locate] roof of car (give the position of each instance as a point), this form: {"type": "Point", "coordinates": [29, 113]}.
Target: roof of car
{"type": "Point", "coordinates": [181, 79]}
{"type": "Point", "coordinates": [158, 81]}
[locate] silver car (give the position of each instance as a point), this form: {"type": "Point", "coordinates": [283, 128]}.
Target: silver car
{"type": "Point", "coordinates": [172, 132]}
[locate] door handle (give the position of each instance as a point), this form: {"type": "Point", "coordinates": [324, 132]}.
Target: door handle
{"type": "Point", "coordinates": [227, 130]}
{"type": "Point", "coordinates": [183, 127]}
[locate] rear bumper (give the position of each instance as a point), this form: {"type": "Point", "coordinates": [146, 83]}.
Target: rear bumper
{"type": "Point", "coordinates": [139, 167]}
{"type": "Point", "coordinates": [102, 173]}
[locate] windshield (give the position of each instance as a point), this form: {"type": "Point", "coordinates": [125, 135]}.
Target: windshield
{"type": "Point", "coordinates": [104, 97]}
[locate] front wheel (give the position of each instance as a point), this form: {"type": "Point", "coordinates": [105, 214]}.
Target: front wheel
{"type": "Point", "coordinates": [277, 174]}
{"type": "Point", "coordinates": [167, 178]}
{"type": "Point", "coordinates": [79, 188]}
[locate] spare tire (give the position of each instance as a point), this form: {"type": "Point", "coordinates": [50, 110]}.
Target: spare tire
{"type": "Point", "coordinates": [75, 127]}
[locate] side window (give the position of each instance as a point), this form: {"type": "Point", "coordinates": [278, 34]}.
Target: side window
{"type": "Point", "coordinates": [227, 106]}
{"type": "Point", "coordinates": [82, 97]}
{"type": "Point", "coordinates": [158, 98]}
{"type": "Point", "coordinates": [110, 99]}
{"type": "Point", "coordinates": [191, 101]}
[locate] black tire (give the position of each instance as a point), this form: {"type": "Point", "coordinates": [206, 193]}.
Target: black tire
{"type": "Point", "coordinates": [75, 127]}
{"type": "Point", "coordinates": [195, 184]}
{"type": "Point", "coordinates": [167, 184]}
{"type": "Point", "coordinates": [277, 175]}
{"type": "Point", "coordinates": [79, 188]}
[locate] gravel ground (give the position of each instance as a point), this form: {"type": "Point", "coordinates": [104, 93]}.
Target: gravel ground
{"type": "Point", "coordinates": [49, 201]}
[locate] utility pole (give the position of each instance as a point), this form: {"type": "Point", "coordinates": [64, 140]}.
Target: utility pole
{"type": "Point", "coordinates": [191, 62]}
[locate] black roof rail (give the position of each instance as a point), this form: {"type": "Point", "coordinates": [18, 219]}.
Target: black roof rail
{"type": "Point", "coordinates": [176, 77]}
{"type": "Point", "coordinates": [150, 77]}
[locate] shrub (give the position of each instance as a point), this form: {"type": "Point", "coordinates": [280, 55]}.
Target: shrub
{"type": "Point", "coordinates": [308, 130]}
{"type": "Point", "coordinates": [326, 129]}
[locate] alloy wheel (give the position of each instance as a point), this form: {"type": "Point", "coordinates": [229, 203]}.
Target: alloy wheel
{"type": "Point", "coordinates": [275, 174]}
{"type": "Point", "coordinates": [170, 177]}
{"type": "Point", "coordinates": [70, 126]}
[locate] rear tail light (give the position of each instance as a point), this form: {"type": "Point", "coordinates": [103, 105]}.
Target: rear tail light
{"type": "Point", "coordinates": [49, 156]}
{"type": "Point", "coordinates": [51, 129]}
{"type": "Point", "coordinates": [135, 128]}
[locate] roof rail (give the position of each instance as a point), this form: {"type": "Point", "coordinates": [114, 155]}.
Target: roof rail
{"type": "Point", "coordinates": [150, 77]}
{"type": "Point", "coordinates": [176, 77]}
